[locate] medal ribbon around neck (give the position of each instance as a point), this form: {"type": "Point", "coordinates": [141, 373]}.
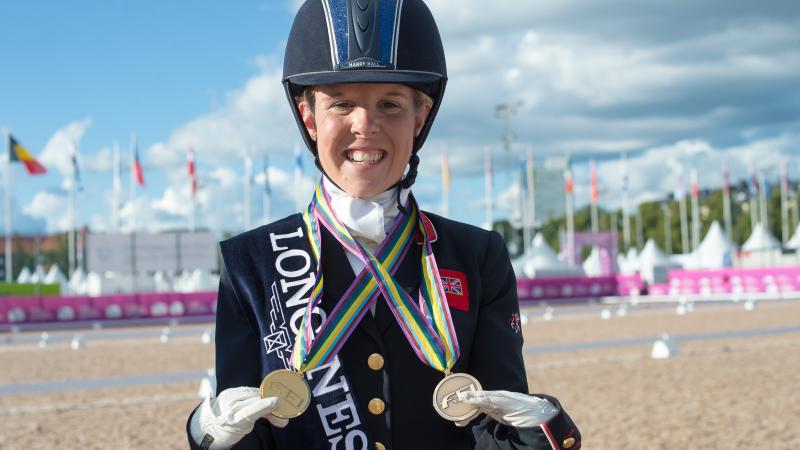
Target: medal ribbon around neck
{"type": "Point", "coordinates": [427, 327]}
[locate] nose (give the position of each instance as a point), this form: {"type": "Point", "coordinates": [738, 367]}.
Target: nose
{"type": "Point", "coordinates": [364, 121]}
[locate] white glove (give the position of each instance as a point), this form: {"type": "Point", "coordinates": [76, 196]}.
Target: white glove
{"type": "Point", "coordinates": [509, 408]}
{"type": "Point", "coordinates": [228, 418]}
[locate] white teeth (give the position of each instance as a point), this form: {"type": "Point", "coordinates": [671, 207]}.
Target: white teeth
{"type": "Point", "coordinates": [364, 157]}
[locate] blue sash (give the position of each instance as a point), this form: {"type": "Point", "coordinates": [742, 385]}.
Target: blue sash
{"type": "Point", "coordinates": [332, 420]}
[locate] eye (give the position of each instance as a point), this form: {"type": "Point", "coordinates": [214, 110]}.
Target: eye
{"type": "Point", "coordinates": [341, 105]}
{"type": "Point", "coordinates": [389, 105]}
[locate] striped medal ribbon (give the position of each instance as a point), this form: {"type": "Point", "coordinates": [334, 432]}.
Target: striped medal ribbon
{"type": "Point", "coordinates": [427, 324]}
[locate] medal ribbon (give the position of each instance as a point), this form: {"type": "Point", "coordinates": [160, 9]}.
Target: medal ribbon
{"type": "Point", "coordinates": [427, 327]}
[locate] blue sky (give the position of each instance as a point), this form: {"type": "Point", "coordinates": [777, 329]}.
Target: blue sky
{"type": "Point", "coordinates": [678, 86]}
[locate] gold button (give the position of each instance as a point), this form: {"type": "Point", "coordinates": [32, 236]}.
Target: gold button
{"type": "Point", "coordinates": [375, 361]}
{"type": "Point", "coordinates": [376, 406]}
{"type": "Point", "coordinates": [568, 442]}
{"type": "Point", "coordinates": [379, 446]}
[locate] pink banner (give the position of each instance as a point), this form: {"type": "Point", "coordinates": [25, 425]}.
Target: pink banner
{"type": "Point", "coordinates": [729, 281]}
{"type": "Point", "coordinates": [565, 288]}
{"type": "Point", "coordinates": [107, 307]}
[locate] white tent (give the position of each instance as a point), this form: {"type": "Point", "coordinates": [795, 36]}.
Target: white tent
{"type": "Point", "coordinates": [653, 263]}
{"type": "Point", "coordinates": [760, 240]}
{"type": "Point", "coordinates": [116, 282]}
{"type": "Point", "coordinates": [203, 281]}
{"type": "Point", "coordinates": [794, 242]}
{"type": "Point", "coordinates": [93, 284]}
{"type": "Point", "coordinates": [651, 255]}
{"type": "Point", "coordinates": [541, 261]}
{"type": "Point", "coordinates": [628, 263]}
{"type": "Point", "coordinates": [714, 252]}
{"type": "Point", "coordinates": [592, 264]}
{"type": "Point", "coordinates": [161, 282]}
{"type": "Point", "coordinates": [77, 282]}
{"type": "Point", "coordinates": [24, 275]}
{"type": "Point", "coordinates": [183, 282]}
{"type": "Point", "coordinates": [55, 276]}
{"type": "Point", "coordinates": [38, 275]}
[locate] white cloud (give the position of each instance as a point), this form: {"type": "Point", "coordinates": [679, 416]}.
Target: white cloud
{"type": "Point", "coordinates": [50, 207]}
{"type": "Point", "coordinates": [58, 150]}
{"type": "Point", "coordinates": [677, 85]}
{"type": "Point", "coordinates": [255, 118]}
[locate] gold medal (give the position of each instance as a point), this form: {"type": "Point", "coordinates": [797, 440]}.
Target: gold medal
{"type": "Point", "coordinates": [291, 389]}
{"type": "Point", "coordinates": [445, 396]}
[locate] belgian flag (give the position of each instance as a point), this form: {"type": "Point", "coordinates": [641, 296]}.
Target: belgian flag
{"type": "Point", "coordinates": [18, 153]}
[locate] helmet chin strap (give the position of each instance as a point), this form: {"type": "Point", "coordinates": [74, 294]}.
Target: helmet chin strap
{"type": "Point", "coordinates": [408, 180]}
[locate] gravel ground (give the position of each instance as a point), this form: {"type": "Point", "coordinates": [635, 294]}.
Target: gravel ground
{"type": "Point", "coordinates": [725, 393]}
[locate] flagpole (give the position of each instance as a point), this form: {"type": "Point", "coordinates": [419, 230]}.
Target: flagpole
{"type": "Point", "coordinates": [667, 227]}
{"type": "Point", "coordinates": [71, 230]}
{"type": "Point", "coordinates": [784, 204]}
{"type": "Point", "coordinates": [531, 169]}
{"type": "Point", "coordinates": [594, 196]}
{"type": "Point", "coordinates": [132, 194]}
{"type": "Point", "coordinates": [445, 182]}
{"type": "Point", "coordinates": [754, 192]}
{"type": "Point", "coordinates": [795, 210]}
{"type": "Point", "coordinates": [570, 211]}
{"type": "Point", "coordinates": [532, 191]}
{"type": "Point", "coordinates": [695, 211]}
{"type": "Point", "coordinates": [488, 187]}
{"type": "Point", "coordinates": [117, 188]}
{"type": "Point", "coordinates": [626, 226]}
{"type": "Point", "coordinates": [7, 202]}
{"type": "Point", "coordinates": [523, 202]}
{"type": "Point", "coordinates": [639, 229]}
{"type": "Point", "coordinates": [726, 201]}
{"type": "Point", "coordinates": [267, 189]}
{"type": "Point", "coordinates": [192, 169]}
{"type": "Point", "coordinates": [613, 225]}
{"type": "Point", "coordinates": [764, 200]}
{"type": "Point", "coordinates": [570, 229]}
{"type": "Point", "coordinates": [192, 209]}
{"type": "Point", "coordinates": [684, 225]}
{"type": "Point", "coordinates": [248, 175]}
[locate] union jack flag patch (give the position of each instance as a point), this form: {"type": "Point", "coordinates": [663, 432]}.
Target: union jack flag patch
{"type": "Point", "coordinates": [455, 288]}
{"type": "Point", "coordinates": [452, 286]}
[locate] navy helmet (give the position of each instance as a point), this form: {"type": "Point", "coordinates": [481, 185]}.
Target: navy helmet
{"type": "Point", "coordinates": [365, 41]}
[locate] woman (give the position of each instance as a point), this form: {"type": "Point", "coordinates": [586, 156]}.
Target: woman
{"type": "Point", "coordinates": [364, 322]}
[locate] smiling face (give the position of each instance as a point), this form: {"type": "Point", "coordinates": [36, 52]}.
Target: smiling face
{"type": "Point", "coordinates": [364, 133]}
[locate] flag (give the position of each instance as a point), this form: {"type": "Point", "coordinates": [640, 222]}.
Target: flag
{"type": "Point", "coordinates": [191, 169]}
{"type": "Point", "coordinates": [523, 175]}
{"type": "Point", "coordinates": [137, 167]}
{"type": "Point", "coordinates": [568, 182]}
{"type": "Point", "coordinates": [267, 187]}
{"type": "Point", "coordinates": [695, 187]}
{"type": "Point", "coordinates": [18, 153]}
{"type": "Point", "coordinates": [445, 171]}
{"type": "Point", "coordinates": [594, 192]}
